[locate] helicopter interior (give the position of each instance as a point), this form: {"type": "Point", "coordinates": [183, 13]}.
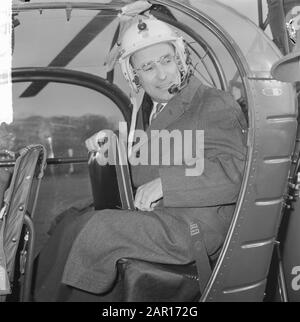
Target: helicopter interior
{"type": "Point", "coordinates": [62, 124]}
{"type": "Point", "coordinates": [63, 93]}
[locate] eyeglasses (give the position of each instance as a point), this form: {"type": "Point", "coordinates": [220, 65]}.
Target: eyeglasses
{"type": "Point", "coordinates": [150, 66]}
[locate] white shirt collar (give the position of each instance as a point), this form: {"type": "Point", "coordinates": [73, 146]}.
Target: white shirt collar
{"type": "Point", "coordinates": [154, 109]}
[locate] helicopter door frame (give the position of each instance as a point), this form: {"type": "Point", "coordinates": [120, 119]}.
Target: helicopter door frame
{"type": "Point", "coordinates": [73, 77]}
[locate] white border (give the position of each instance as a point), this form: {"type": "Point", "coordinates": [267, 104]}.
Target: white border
{"type": "Point", "coordinates": [6, 110]}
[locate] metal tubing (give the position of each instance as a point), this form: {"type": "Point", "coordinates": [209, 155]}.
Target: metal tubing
{"type": "Point", "coordinates": [26, 287]}
{"type": "Point", "coordinates": [260, 14]}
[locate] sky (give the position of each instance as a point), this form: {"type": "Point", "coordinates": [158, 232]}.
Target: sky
{"type": "Point", "coordinates": [246, 7]}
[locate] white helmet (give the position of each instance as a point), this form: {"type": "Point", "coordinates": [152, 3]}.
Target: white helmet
{"type": "Point", "coordinates": [144, 32]}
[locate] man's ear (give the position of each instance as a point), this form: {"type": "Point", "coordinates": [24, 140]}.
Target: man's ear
{"type": "Point", "coordinates": [136, 79]}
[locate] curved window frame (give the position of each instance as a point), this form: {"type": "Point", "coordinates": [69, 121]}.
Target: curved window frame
{"type": "Point", "coordinates": [72, 77]}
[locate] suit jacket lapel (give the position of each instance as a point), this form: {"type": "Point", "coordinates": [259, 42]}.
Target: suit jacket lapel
{"type": "Point", "coordinates": [176, 106]}
{"type": "Point", "coordinates": [171, 112]}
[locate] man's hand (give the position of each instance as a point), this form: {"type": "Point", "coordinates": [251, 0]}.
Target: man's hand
{"type": "Point", "coordinates": [96, 143]}
{"type": "Point", "coordinates": [148, 194]}
{"type": "Point", "coordinates": [93, 144]}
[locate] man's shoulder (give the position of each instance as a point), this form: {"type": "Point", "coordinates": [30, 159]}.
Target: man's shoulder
{"type": "Point", "coordinates": [208, 100]}
{"type": "Point", "coordinates": [195, 87]}
{"type": "Point", "coordinates": [215, 99]}
{"type": "Point", "coordinates": [216, 105]}
{"type": "Point", "coordinates": [220, 107]}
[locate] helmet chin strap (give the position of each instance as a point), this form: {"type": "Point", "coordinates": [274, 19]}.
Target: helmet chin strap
{"type": "Point", "coordinates": [136, 101]}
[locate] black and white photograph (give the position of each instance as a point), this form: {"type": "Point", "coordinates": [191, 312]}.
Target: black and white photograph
{"type": "Point", "coordinates": [149, 153]}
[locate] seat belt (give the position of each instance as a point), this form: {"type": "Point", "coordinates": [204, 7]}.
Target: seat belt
{"type": "Point", "coordinates": [5, 177]}
{"type": "Point", "coordinates": [201, 256]}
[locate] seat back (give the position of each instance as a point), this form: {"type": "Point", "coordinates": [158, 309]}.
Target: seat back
{"type": "Point", "coordinates": [19, 206]}
{"type": "Point", "coordinates": [111, 183]}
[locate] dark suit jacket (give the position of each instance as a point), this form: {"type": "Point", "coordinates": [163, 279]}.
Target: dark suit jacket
{"type": "Point", "coordinates": [162, 236]}
{"type": "Point", "coordinates": [198, 107]}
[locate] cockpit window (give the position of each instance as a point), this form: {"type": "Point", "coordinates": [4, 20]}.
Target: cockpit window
{"type": "Point", "coordinates": [61, 117]}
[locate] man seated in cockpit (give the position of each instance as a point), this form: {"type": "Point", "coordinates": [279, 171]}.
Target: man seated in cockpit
{"type": "Point", "coordinates": [82, 253]}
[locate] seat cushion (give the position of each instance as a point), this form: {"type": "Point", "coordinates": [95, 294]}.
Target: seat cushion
{"type": "Point", "coordinates": [145, 281]}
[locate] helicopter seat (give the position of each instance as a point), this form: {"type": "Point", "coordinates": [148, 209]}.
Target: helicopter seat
{"type": "Point", "coordinates": [16, 225]}
{"type": "Point", "coordinates": [140, 280]}
{"type": "Point", "coordinates": [152, 282]}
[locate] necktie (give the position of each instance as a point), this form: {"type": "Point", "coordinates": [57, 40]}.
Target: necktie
{"type": "Point", "coordinates": [158, 109]}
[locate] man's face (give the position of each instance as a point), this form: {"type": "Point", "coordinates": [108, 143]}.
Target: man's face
{"type": "Point", "coordinates": [157, 70]}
